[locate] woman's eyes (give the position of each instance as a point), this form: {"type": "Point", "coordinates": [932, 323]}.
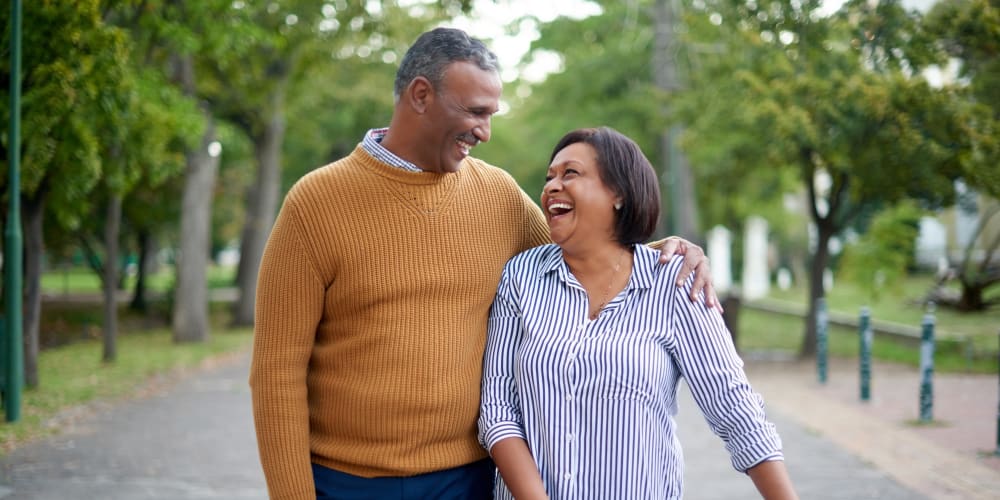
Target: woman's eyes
{"type": "Point", "coordinates": [569, 171]}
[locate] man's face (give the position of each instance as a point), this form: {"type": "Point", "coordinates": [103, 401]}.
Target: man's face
{"type": "Point", "coordinates": [459, 115]}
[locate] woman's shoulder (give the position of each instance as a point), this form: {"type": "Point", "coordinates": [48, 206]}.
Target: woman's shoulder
{"type": "Point", "coordinates": [647, 261]}
{"type": "Point", "coordinates": [534, 259]}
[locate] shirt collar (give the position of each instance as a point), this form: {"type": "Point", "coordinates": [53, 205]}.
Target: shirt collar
{"type": "Point", "coordinates": [372, 143]}
{"type": "Point", "coordinates": [644, 267]}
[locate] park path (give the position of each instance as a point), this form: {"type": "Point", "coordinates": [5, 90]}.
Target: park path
{"type": "Point", "coordinates": [191, 438]}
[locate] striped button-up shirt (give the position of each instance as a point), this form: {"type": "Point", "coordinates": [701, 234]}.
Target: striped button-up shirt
{"type": "Point", "coordinates": [595, 399]}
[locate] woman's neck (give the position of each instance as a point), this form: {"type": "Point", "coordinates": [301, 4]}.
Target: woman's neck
{"type": "Point", "coordinates": [603, 273]}
{"type": "Point", "coordinates": [593, 260]}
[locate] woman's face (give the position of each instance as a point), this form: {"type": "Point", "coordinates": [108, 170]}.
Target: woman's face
{"type": "Point", "coordinates": [578, 206]}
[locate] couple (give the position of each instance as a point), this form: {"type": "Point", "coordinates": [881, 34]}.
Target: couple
{"type": "Point", "coordinates": [381, 275]}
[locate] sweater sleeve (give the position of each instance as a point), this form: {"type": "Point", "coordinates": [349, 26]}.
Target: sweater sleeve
{"type": "Point", "coordinates": [536, 229]}
{"type": "Point", "coordinates": [289, 305]}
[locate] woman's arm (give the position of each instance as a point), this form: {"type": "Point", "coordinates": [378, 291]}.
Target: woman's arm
{"type": "Point", "coordinates": [501, 430]}
{"type": "Point", "coordinates": [518, 469]}
{"type": "Point", "coordinates": [772, 480]}
{"type": "Point", "coordinates": [708, 360]}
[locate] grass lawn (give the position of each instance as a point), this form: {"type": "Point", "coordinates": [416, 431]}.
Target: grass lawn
{"type": "Point", "coordinates": [978, 332]}
{"type": "Point", "coordinates": [83, 280]}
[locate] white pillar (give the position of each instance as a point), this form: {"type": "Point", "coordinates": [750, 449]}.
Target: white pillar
{"type": "Point", "coordinates": [756, 280]}
{"type": "Point", "coordinates": [719, 255]}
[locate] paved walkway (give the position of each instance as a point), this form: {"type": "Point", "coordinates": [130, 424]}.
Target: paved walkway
{"type": "Point", "coordinates": [193, 440]}
{"type": "Point", "coordinates": [953, 458]}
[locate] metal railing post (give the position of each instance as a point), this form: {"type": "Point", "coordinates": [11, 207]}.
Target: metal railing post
{"type": "Point", "coordinates": [927, 366]}
{"type": "Point", "coordinates": [865, 353]}
{"type": "Point", "coordinates": [821, 340]}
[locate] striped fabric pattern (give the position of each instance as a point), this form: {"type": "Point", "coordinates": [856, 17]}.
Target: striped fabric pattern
{"type": "Point", "coordinates": [595, 399]}
{"type": "Point", "coordinates": [372, 144]}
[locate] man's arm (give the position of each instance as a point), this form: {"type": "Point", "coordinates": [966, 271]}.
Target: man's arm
{"type": "Point", "coordinates": [695, 262]}
{"type": "Point", "coordinates": [289, 304]}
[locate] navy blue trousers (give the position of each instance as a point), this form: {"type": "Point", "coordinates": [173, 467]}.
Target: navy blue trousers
{"type": "Point", "coordinates": [468, 482]}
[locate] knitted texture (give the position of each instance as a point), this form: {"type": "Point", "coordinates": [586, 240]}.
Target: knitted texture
{"type": "Point", "coordinates": [371, 311]}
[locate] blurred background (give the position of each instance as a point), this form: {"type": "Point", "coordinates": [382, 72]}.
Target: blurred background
{"type": "Point", "coordinates": [828, 156]}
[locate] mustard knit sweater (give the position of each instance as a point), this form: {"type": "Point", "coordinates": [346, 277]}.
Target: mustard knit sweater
{"type": "Point", "coordinates": [372, 302]}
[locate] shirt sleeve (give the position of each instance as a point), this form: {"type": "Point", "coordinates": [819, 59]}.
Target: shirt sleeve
{"type": "Point", "coordinates": [500, 411]}
{"type": "Point", "coordinates": [714, 372]}
{"type": "Point", "coordinates": [289, 306]}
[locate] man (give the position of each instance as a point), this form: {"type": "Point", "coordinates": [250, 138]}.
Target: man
{"type": "Point", "coordinates": [374, 293]}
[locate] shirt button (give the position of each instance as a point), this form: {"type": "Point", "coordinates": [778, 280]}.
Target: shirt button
{"type": "Point", "coordinates": [569, 437]}
{"type": "Point", "coordinates": [569, 475]}
{"type": "Point", "coordinates": [569, 397]}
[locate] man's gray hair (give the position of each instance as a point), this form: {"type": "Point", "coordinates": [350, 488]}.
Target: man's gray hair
{"type": "Point", "coordinates": [434, 50]}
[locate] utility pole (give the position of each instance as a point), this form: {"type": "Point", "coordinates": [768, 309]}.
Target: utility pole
{"type": "Point", "coordinates": [679, 206]}
{"type": "Point", "coordinates": [13, 251]}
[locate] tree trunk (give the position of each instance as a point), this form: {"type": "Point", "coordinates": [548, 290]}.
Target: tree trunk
{"type": "Point", "coordinates": [190, 319]}
{"type": "Point", "coordinates": [262, 206]}
{"type": "Point", "coordinates": [109, 281]}
{"type": "Point", "coordinates": [32, 212]}
{"type": "Point", "coordinates": [138, 302]}
{"type": "Point", "coordinates": [824, 231]}
{"type": "Point", "coordinates": [971, 298]}
{"type": "Point", "coordinates": [680, 211]}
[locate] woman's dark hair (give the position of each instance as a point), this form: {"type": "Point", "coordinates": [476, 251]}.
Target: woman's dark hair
{"type": "Point", "coordinates": [628, 173]}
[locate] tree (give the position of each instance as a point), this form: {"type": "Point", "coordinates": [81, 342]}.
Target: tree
{"type": "Point", "coordinates": [174, 35]}
{"type": "Point", "coordinates": [71, 63]}
{"type": "Point", "coordinates": [969, 31]}
{"type": "Point", "coordinates": [838, 100]}
{"type": "Point", "coordinates": [605, 78]}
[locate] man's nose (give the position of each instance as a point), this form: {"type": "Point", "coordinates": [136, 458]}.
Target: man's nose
{"type": "Point", "coordinates": [482, 131]}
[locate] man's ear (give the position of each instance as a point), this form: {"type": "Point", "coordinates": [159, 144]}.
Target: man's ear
{"type": "Point", "coordinates": [419, 94]}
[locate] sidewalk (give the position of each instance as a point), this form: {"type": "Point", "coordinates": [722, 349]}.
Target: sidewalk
{"type": "Point", "coordinates": [953, 458]}
{"type": "Point", "coordinates": [191, 439]}
{"type": "Point", "coordinates": [194, 440]}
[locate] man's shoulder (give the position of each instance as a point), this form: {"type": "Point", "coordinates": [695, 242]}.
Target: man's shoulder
{"type": "Point", "coordinates": [320, 180]}
{"type": "Point", "coordinates": [480, 168]}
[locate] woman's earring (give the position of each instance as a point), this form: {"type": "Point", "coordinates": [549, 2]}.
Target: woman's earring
{"type": "Point", "coordinates": [618, 206]}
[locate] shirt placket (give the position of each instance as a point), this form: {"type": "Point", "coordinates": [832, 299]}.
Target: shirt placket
{"type": "Point", "coordinates": [572, 405]}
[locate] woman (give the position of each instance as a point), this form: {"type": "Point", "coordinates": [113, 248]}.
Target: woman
{"type": "Point", "coordinates": [588, 339]}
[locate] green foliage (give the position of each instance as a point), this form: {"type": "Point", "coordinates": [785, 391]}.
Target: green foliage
{"type": "Point", "coordinates": [73, 81]}
{"type": "Point", "coordinates": [880, 258]}
{"type": "Point", "coordinates": [970, 31]}
{"type": "Point", "coordinates": [605, 80]}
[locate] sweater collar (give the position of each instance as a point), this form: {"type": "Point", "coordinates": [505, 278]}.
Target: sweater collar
{"type": "Point", "coordinates": [393, 173]}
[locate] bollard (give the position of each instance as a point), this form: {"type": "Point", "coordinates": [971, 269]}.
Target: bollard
{"type": "Point", "coordinates": [821, 339]}
{"type": "Point", "coordinates": [865, 353]}
{"type": "Point", "coordinates": [927, 366]}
